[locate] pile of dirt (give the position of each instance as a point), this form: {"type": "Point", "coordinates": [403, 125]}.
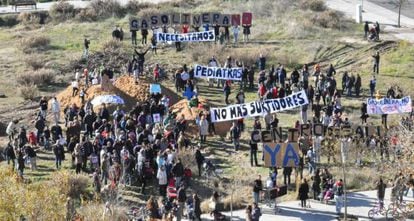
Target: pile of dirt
{"type": "Point", "coordinates": [182, 107]}
{"type": "Point", "coordinates": [123, 86]}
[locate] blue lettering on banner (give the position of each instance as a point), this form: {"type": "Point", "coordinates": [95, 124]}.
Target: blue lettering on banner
{"type": "Point", "coordinates": [290, 154]}
{"type": "Point", "coordinates": [272, 153]}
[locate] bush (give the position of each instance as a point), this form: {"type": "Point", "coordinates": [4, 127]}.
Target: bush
{"type": "Point", "coordinates": [62, 11]}
{"type": "Point", "coordinates": [148, 12]}
{"type": "Point", "coordinates": [27, 18]}
{"type": "Point", "coordinates": [34, 43]}
{"type": "Point", "coordinates": [314, 5]}
{"type": "Point", "coordinates": [28, 91]}
{"type": "Point", "coordinates": [8, 20]}
{"type": "Point", "coordinates": [39, 77]}
{"type": "Point", "coordinates": [86, 14]}
{"type": "Point", "coordinates": [134, 6]}
{"type": "Point", "coordinates": [111, 46]}
{"type": "Point", "coordinates": [328, 19]}
{"type": "Point", "coordinates": [34, 61]}
{"type": "Point", "coordinates": [106, 8]}
{"type": "Point", "coordinates": [72, 185]}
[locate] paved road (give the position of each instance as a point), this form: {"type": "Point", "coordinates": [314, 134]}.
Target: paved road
{"type": "Point", "coordinates": [373, 12]}
{"type": "Point", "coordinates": [359, 205]}
{"type": "Point", "coordinates": [406, 10]}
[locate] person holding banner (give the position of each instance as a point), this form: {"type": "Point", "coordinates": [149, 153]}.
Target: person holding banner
{"type": "Point", "coordinates": [227, 91]}
{"type": "Point", "coordinates": [235, 135]}
{"type": "Point", "coordinates": [246, 33]}
{"type": "Point", "coordinates": [144, 33]}
{"type": "Point", "coordinates": [236, 34]}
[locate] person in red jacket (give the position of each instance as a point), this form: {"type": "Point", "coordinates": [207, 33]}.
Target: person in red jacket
{"type": "Point", "coordinates": [262, 90]}
{"type": "Point", "coordinates": [275, 92]}
{"type": "Point", "coordinates": [32, 139]}
{"type": "Point", "coordinates": [156, 72]}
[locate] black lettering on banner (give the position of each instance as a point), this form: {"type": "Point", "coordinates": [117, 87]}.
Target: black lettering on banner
{"type": "Point", "coordinates": [283, 103]}
{"type": "Point", "coordinates": [318, 130]}
{"type": "Point", "coordinates": [277, 134]}
{"type": "Point", "coordinates": [210, 72]}
{"type": "Point", "coordinates": [167, 37]}
{"type": "Point", "coordinates": [165, 20]}
{"type": "Point", "coordinates": [144, 23]}
{"type": "Point", "coordinates": [204, 71]}
{"type": "Point", "coordinates": [272, 105]}
{"type": "Point", "coordinates": [160, 36]}
{"type": "Point", "coordinates": [211, 35]}
{"type": "Point", "coordinates": [224, 113]}
{"type": "Point", "coordinates": [233, 113]}
{"type": "Point", "coordinates": [185, 18]}
{"type": "Point", "coordinates": [258, 106]}
{"type": "Point", "coordinates": [266, 136]}
{"type": "Point", "coordinates": [196, 20]}
{"type": "Point", "coordinates": [289, 101]}
{"type": "Point", "coordinates": [329, 131]}
{"type": "Point", "coordinates": [269, 108]}
{"type": "Point", "coordinates": [239, 111]}
{"type": "Point", "coordinates": [197, 70]}
{"type": "Point", "coordinates": [217, 114]}
{"type": "Point", "coordinates": [295, 100]}
{"type": "Point", "coordinates": [244, 110]}
{"type": "Point", "coordinates": [154, 21]}
{"type": "Point", "coordinates": [359, 131]}
{"type": "Point", "coordinates": [193, 37]}
{"type": "Point", "coordinates": [205, 18]}
{"type": "Point", "coordinates": [255, 136]}
{"type": "Point", "coordinates": [229, 73]}
{"type": "Point", "coordinates": [225, 20]}
{"type": "Point", "coordinates": [293, 135]}
{"type": "Point", "coordinates": [218, 73]}
{"type": "Point", "coordinates": [175, 18]}
{"type": "Point", "coordinates": [252, 108]}
{"type": "Point", "coordinates": [205, 35]}
{"type": "Point", "coordinates": [199, 35]}
{"type": "Point", "coordinates": [305, 130]}
{"type": "Point", "coordinates": [277, 104]}
{"type": "Point", "coordinates": [216, 18]}
{"type": "Point", "coordinates": [301, 99]}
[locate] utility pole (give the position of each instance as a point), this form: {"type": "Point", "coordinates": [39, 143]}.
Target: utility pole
{"type": "Point", "coordinates": [344, 148]}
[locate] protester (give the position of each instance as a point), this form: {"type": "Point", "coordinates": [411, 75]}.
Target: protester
{"type": "Point", "coordinates": [256, 212]}
{"type": "Point", "coordinates": [257, 188]}
{"type": "Point", "coordinates": [338, 191]}
{"type": "Point", "coordinates": [303, 193]}
{"type": "Point", "coordinates": [249, 213]}
{"type": "Point", "coordinates": [376, 62]}
{"type": "Point", "coordinates": [381, 186]}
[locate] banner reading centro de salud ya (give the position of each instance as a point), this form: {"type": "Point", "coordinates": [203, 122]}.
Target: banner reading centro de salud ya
{"type": "Point", "coordinates": [389, 105]}
{"type": "Point", "coordinates": [258, 108]}
{"type": "Point", "coordinates": [185, 37]}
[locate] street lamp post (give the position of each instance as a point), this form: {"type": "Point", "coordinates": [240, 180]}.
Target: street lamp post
{"type": "Point", "coordinates": [344, 148]}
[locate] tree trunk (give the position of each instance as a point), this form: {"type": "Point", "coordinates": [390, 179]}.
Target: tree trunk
{"type": "Point", "coordinates": [399, 14]}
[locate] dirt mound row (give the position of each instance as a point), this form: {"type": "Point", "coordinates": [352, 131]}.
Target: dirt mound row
{"type": "Point", "coordinates": [123, 86]}
{"type": "Point", "coordinates": [182, 107]}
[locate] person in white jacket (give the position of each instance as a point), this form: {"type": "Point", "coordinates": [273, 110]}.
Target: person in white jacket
{"type": "Point", "coordinates": [203, 126]}
{"type": "Point", "coordinates": [162, 181]}
{"type": "Point", "coordinates": [55, 107]}
{"type": "Point", "coordinates": [11, 129]}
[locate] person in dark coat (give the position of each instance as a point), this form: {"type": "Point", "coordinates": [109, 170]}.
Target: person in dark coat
{"type": "Point", "coordinates": [381, 186]}
{"type": "Point", "coordinates": [200, 160]}
{"type": "Point", "coordinates": [303, 193]}
{"type": "Point", "coordinates": [197, 207]}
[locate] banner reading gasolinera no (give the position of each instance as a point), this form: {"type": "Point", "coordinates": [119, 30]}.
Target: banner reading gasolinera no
{"type": "Point", "coordinates": [234, 74]}
{"type": "Point", "coordinates": [389, 105]}
{"type": "Point", "coordinates": [192, 36]}
{"type": "Point", "coordinates": [258, 108]}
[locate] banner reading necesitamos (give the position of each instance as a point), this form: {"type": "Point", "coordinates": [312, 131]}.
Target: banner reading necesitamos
{"type": "Point", "coordinates": [234, 74]}
{"type": "Point", "coordinates": [192, 36]}
{"type": "Point", "coordinates": [389, 105]}
{"type": "Point", "coordinates": [258, 108]}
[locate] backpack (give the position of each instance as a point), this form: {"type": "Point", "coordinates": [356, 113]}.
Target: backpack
{"type": "Point", "coordinates": [339, 190]}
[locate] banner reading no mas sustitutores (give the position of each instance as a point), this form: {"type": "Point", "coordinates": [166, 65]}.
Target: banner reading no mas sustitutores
{"type": "Point", "coordinates": [234, 74]}
{"type": "Point", "coordinates": [187, 37]}
{"type": "Point", "coordinates": [258, 108]}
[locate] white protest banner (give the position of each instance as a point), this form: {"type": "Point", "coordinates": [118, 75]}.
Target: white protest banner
{"type": "Point", "coordinates": [258, 108]}
{"type": "Point", "coordinates": [156, 118]}
{"type": "Point", "coordinates": [234, 74]}
{"type": "Point", "coordinates": [389, 105]}
{"type": "Point", "coordinates": [187, 37]}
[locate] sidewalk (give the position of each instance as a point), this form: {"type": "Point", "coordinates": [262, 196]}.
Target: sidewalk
{"type": "Point", "coordinates": [359, 203]}
{"type": "Point", "coordinates": [372, 13]}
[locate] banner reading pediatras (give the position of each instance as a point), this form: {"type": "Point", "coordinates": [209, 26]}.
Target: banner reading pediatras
{"type": "Point", "coordinates": [193, 36]}
{"type": "Point", "coordinates": [258, 108]}
{"type": "Point", "coordinates": [234, 74]}
{"type": "Point", "coordinates": [389, 105]}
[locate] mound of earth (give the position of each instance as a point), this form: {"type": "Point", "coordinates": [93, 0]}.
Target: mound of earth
{"type": "Point", "coordinates": [190, 114]}
{"type": "Point", "coordinates": [123, 86]}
